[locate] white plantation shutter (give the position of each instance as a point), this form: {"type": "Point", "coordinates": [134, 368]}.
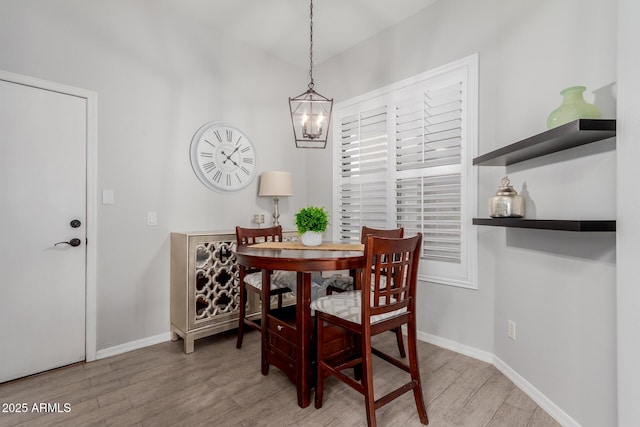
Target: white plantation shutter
{"type": "Point", "coordinates": [428, 135]}
{"type": "Point", "coordinates": [431, 206]}
{"type": "Point", "coordinates": [363, 142]}
{"type": "Point", "coordinates": [428, 129]}
{"type": "Point", "coordinates": [361, 204]}
{"type": "Point", "coordinates": [364, 168]}
{"type": "Point", "coordinates": [404, 160]}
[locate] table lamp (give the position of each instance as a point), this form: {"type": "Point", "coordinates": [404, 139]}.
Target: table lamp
{"type": "Point", "coordinates": [275, 184]}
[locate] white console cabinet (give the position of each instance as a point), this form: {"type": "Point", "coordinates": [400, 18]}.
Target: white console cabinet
{"type": "Point", "coordinates": [204, 285]}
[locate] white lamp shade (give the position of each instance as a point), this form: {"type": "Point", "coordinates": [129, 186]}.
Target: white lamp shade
{"type": "Point", "coordinates": [275, 183]}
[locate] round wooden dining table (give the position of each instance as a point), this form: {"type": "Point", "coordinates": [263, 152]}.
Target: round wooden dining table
{"type": "Point", "coordinates": [286, 343]}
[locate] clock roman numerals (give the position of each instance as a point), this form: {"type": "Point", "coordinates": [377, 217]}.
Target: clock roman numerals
{"type": "Point", "coordinates": [248, 160]}
{"type": "Point", "coordinates": [217, 134]}
{"type": "Point", "coordinates": [217, 176]}
{"type": "Point", "coordinates": [229, 135]}
{"type": "Point", "coordinates": [208, 167]}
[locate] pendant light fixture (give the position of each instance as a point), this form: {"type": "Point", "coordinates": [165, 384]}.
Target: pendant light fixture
{"type": "Point", "coordinates": [310, 111]}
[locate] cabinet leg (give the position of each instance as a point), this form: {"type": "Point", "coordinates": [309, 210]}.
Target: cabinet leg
{"type": "Point", "coordinates": [188, 344]}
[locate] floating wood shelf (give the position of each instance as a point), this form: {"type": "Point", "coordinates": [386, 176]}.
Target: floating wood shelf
{"type": "Point", "coordinates": [569, 135]}
{"type": "Point", "coordinates": [549, 224]}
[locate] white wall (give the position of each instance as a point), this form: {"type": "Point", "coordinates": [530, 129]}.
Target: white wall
{"type": "Point", "coordinates": [558, 287]}
{"type": "Point", "coordinates": [628, 291]}
{"type": "Point", "coordinates": [159, 77]}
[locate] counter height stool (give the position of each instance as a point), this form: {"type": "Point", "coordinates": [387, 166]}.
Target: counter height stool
{"type": "Point", "coordinates": [339, 283]}
{"type": "Point", "coordinates": [281, 282]}
{"type": "Point", "coordinates": [376, 308]}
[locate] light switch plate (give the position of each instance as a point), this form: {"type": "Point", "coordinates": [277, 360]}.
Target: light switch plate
{"type": "Point", "coordinates": [152, 218]}
{"type": "Point", "coordinates": [107, 197]}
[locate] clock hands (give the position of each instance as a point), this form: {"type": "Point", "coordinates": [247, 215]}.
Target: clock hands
{"type": "Point", "coordinates": [228, 157]}
{"type": "Point", "coordinates": [234, 151]}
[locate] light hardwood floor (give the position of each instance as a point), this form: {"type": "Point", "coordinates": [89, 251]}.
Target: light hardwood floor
{"type": "Point", "coordinates": [219, 385]}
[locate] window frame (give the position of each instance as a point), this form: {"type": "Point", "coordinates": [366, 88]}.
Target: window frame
{"type": "Point", "coordinates": [463, 274]}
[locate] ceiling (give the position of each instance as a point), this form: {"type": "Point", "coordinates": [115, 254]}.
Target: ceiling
{"type": "Point", "coordinates": [281, 27]}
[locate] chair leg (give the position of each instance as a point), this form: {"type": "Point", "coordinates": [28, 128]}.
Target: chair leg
{"type": "Point", "coordinates": [357, 370]}
{"type": "Point", "coordinates": [319, 361]}
{"type": "Point", "coordinates": [415, 372]}
{"type": "Point", "coordinates": [367, 381]}
{"type": "Point", "coordinates": [400, 341]}
{"type": "Point", "coordinates": [279, 300]}
{"type": "Point", "coordinates": [241, 314]}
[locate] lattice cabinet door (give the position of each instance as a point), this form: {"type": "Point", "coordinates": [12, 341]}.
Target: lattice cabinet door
{"type": "Point", "coordinates": [205, 294]}
{"type": "Point", "coordinates": [204, 285]}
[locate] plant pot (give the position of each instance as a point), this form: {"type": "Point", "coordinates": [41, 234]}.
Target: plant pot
{"type": "Point", "coordinates": [311, 238]}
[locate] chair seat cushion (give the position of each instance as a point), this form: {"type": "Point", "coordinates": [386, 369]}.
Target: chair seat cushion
{"type": "Point", "coordinates": [283, 280]}
{"type": "Point", "coordinates": [279, 280]}
{"type": "Point", "coordinates": [348, 306]}
{"type": "Point", "coordinates": [346, 282]}
{"type": "Point", "coordinates": [339, 281]}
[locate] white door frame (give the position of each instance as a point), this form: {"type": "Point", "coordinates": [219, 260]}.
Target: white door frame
{"type": "Point", "coordinates": [92, 183]}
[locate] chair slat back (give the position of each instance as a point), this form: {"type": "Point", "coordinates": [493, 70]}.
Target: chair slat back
{"type": "Point", "coordinates": [250, 236]}
{"type": "Point", "coordinates": [393, 266]}
{"type": "Point", "coordinates": [393, 233]}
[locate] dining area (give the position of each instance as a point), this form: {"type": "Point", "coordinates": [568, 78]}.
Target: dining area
{"type": "Point", "coordinates": [322, 351]}
{"type": "Point", "coordinates": [331, 333]}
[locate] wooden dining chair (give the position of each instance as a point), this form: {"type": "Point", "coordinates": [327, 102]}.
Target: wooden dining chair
{"type": "Point", "coordinates": [345, 283]}
{"type": "Point", "coordinates": [281, 282]}
{"type": "Point", "coordinates": [377, 308]}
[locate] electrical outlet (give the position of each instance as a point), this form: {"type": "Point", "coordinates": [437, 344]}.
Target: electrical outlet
{"type": "Point", "coordinates": [511, 329]}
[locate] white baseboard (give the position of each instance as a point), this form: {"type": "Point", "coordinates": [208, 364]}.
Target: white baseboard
{"type": "Point", "coordinates": [133, 345]}
{"type": "Point", "coordinates": [541, 400]}
{"type": "Point", "coordinates": [456, 346]}
{"type": "Point", "coordinates": [536, 395]}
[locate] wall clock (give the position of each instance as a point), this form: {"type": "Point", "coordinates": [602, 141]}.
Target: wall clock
{"type": "Point", "coordinates": [223, 157]}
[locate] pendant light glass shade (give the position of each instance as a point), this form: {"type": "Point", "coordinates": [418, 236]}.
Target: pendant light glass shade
{"type": "Point", "coordinates": [310, 111]}
{"type": "Point", "coordinates": [311, 116]}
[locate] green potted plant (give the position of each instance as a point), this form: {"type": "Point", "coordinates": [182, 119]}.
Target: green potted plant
{"type": "Point", "coordinates": [311, 223]}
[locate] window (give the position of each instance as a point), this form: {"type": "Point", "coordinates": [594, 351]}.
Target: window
{"type": "Point", "coordinates": [403, 158]}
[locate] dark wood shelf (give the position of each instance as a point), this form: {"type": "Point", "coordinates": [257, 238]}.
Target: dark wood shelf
{"type": "Point", "coordinates": [569, 135]}
{"type": "Point", "coordinates": [549, 224]}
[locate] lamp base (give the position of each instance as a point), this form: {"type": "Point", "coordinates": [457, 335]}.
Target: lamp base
{"type": "Point", "coordinates": [276, 213]}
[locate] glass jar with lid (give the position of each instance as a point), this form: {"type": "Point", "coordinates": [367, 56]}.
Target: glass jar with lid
{"type": "Point", "coordinates": [507, 203]}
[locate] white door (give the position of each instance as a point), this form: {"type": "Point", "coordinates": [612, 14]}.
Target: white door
{"type": "Point", "coordinates": [43, 188]}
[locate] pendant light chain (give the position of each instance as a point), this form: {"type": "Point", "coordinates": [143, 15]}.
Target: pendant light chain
{"type": "Point", "coordinates": [311, 45]}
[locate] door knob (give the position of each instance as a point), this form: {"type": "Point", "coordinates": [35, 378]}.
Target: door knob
{"type": "Point", "coordinates": [75, 223]}
{"type": "Point", "coordinates": [72, 242]}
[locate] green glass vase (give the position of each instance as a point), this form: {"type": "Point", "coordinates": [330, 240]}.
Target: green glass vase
{"type": "Point", "coordinates": [573, 107]}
